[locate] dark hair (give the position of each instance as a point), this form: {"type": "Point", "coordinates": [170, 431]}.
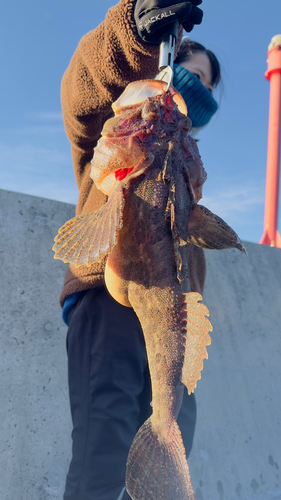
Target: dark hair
{"type": "Point", "coordinates": [188, 48]}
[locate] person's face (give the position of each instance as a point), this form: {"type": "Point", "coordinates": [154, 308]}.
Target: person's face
{"type": "Point", "coordinates": [200, 66]}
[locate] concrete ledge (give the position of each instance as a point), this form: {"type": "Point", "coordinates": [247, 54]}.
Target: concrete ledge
{"type": "Point", "coordinates": [237, 448]}
{"type": "Point", "coordinates": [34, 411]}
{"type": "Point", "coordinates": [236, 452]}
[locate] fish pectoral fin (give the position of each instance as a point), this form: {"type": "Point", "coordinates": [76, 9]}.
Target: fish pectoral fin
{"type": "Point", "coordinates": [157, 467]}
{"type": "Point", "coordinates": [87, 238]}
{"type": "Point", "coordinates": [209, 231]}
{"type": "Point", "coordinates": [196, 328]}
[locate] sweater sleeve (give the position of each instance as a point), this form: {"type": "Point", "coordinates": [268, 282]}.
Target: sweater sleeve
{"type": "Point", "coordinates": [105, 61]}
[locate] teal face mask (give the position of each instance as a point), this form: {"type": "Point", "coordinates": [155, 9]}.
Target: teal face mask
{"type": "Point", "coordinates": [201, 105]}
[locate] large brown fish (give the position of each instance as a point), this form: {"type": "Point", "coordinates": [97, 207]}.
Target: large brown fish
{"type": "Point", "coordinates": [150, 167]}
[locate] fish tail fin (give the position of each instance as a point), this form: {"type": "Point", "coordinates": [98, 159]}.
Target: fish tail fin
{"type": "Point", "coordinates": [157, 467]}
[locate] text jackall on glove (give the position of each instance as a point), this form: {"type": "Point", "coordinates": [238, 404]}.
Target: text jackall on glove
{"type": "Point", "coordinates": [153, 16]}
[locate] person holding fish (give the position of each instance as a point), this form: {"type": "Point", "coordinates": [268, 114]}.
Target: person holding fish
{"type": "Point", "coordinates": [109, 378]}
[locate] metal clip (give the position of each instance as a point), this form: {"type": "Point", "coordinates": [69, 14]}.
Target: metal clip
{"type": "Point", "coordinates": [166, 75]}
{"type": "Point", "coordinates": [166, 56]}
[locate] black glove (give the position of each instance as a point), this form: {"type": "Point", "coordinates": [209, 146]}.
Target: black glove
{"type": "Point", "coordinates": [153, 16]}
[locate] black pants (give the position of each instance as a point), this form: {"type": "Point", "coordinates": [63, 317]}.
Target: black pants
{"type": "Point", "coordinates": [110, 394]}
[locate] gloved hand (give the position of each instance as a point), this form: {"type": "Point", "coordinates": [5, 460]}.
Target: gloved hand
{"type": "Point", "coordinates": [153, 16]}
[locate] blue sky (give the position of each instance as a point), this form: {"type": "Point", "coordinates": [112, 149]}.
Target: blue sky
{"type": "Point", "coordinates": [38, 38]}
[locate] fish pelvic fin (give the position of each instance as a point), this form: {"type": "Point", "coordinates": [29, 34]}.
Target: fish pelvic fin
{"type": "Point", "coordinates": [157, 468]}
{"type": "Point", "coordinates": [195, 328]}
{"type": "Point", "coordinates": [87, 238]}
{"type": "Point", "coordinates": [209, 231]}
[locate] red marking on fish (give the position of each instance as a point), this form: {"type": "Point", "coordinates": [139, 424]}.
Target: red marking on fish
{"type": "Point", "coordinates": [122, 173]}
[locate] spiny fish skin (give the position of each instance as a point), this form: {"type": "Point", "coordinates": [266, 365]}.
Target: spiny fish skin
{"type": "Point", "coordinates": [146, 228]}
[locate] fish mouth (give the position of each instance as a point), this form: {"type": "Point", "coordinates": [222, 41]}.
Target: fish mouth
{"type": "Point", "coordinates": [124, 175]}
{"type": "Point", "coordinates": [117, 159]}
{"type": "Point", "coordinates": [137, 92]}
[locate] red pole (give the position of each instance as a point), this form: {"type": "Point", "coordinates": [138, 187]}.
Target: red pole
{"type": "Point", "coordinates": [271, 235]}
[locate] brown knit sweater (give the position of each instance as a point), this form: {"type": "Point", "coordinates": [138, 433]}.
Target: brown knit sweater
{"type": "Point", "coordinates": [105, 61]}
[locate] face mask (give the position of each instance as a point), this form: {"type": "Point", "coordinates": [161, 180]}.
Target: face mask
{"type": "Point", "coordinates": [200, 103]}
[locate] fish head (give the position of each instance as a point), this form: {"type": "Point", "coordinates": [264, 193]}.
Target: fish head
{"type": "Point", "coordinates": [145, 116]}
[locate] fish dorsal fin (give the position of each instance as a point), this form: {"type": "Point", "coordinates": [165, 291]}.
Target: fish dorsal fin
{"type": "Point", "coordinates": [209, 231]}
{"type": "Point", "coordinates": [85, 239]}
{"type": "Point", "coordinates": [196, 328]}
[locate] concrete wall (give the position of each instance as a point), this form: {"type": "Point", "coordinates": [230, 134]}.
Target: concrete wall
{"type": "Point", "coordinates": [237, 448]}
